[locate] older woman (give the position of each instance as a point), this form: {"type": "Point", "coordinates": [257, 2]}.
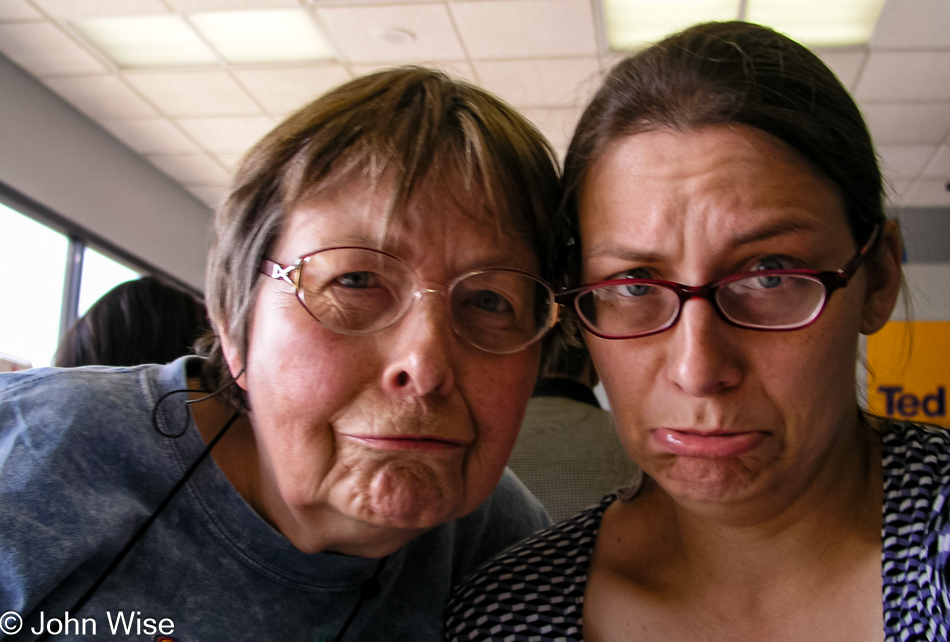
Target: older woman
{"type": "Point", "coordinates": [377, 296]}
{"type": "Point", "coordinates": [727, 209]}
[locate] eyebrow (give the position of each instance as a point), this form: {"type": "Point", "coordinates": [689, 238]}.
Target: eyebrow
{"type": "Point", "coordinates": [769, 231]}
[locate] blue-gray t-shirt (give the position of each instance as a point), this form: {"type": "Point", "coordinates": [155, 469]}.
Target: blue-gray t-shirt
{"type": "Point", "coordinates": [81, 468]}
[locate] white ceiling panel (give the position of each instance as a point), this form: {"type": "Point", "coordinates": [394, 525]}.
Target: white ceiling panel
{"type": "Point", "coordinates": [884, 77]}
{"type": "Point", "coordinates": [541, 83]}
{"type": "Point", "coordinates": [904, 161]}
{"type": "Point", "coordinates": [43, 49]}
{"type": "Point", "coordinates": [457, 69]}
{"type": "Point", "coordinates": [194, 6]}
{"type": "Point", "coordinates": [195, 93]}
{"type": "Point", "coordinates": [281, 91]}
{"type": "Point", "coordinates": [227, 135]}
{"type": "Point", "coordinates": [847, 65]}
{"type": "Point", "coordinates": [98, 8]}
{"type": "Point", "coordinates": [151, 136]}
{"type": "Point", "coordinates": [502, 29]}
{"type": "Point", "coordinates": [907, 124]}
{"type": "Point", "coordinates": [928, 193]}
{"type": "Point", "coordinates": [894, 190]}
{"type": "Point", "coordinates": [102, 97]}
{"type": "Point", "coordinates": [913, 24]}
{"type": "Point", "coordinates": [211, 196]}
{"type": "Point", "coordinates": [18, 10]}
{"type": "Point", "coordinates": [939, 165]}
{"type": "Point", "coordinates": [191, 169]}
{"type": "Point", "coordinates": [557, 125]}
{"type": "Point", "coordinates": [392, 33]}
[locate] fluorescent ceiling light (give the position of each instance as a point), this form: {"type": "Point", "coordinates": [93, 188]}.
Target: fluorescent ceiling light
{"type": "Point", "coordinates": [819, 23]}
{"type": "Point", "coordinates": [147, 41]}
{"type": "Point", "coordinates": [632, 24]}
{"type": "Point", "coordinates": [263, 36]}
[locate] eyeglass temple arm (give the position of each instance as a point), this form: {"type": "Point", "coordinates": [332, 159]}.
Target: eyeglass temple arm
{"type": "Point", "coordinates": [277, 271]}
{"type": "Point", "coordinates": [848, 271]}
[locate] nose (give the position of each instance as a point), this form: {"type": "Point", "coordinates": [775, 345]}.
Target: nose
{"type": "Point", "coordinates": [702, 361]}
{"type": "Point", "coordinates": [420, 361]}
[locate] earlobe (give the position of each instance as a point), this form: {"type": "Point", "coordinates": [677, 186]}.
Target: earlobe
{"type": "Point", "coordinates": [884, 279]}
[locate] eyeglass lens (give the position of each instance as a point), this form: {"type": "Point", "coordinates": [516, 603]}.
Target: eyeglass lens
{"type": "Point", "coordinates": [357, 291]}
{"type": "Point", "coordinates": [774, 301]}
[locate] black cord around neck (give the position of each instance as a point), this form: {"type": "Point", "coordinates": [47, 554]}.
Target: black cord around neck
{"type": "Point", "coordinates": [81, 602]}
{"type": "Point", "coordinates": [368, 590]}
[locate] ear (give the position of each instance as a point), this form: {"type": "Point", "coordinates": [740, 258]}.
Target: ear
{"type": "Point", "coordinates": [232, 356]}
{"type": "Point", "coordinates": [884, 279]}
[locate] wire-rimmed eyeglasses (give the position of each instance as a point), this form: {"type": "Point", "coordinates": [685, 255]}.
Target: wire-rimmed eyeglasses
{"type": "Point", "coordinates": [358, 290]}
{"type": "Point", "coordinates": [766, 300]}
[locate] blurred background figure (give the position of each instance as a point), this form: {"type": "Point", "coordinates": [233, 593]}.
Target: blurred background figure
{"type": "Point", "coordinates": [147, 320]}
{"type": "Point", "coordinates": [568, 453]}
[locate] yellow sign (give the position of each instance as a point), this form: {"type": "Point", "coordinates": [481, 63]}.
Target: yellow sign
{"type": "Point", "coordinates": [909, 371]}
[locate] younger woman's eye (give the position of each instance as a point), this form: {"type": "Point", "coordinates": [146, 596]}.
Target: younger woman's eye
{"type": "Point", "coordinates": [774, 262]}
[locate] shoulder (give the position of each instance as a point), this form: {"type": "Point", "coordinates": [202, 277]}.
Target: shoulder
{"type": "Point", "coordinates": [536, 586]}
{"type": "Point", "coordinates": [915, 453]}
{"type": "Point", "coordinates": [510, 514]}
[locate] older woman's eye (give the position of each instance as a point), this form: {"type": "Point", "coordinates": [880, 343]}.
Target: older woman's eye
{"type": "Point", "coordinates": [358, 280]}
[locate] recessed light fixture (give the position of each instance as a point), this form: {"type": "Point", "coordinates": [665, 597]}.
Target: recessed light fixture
{"type": "Point", "coordinates": [282, 35]}
{"type": "Point", "coordinates": [633, 24]}
{"type": "Point", "coordinates": [237, 37]}
{"type": "Point", "coordinates": [147, 41]}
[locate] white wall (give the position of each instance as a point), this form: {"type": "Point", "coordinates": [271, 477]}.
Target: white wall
{"type": "Point", "coordinates": [56, 156]}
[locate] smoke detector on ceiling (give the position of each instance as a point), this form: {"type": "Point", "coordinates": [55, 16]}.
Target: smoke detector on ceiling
{"type": "Point", "coordinates": [395, 36]}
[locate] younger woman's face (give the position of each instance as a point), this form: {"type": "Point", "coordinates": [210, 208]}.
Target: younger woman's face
{"type": "Point", "coordinates": [713, 412]}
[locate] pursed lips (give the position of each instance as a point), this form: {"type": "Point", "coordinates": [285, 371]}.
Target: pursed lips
{"type": "Point", "coordinates": [418, 443]}
{"type": "Point", "coordinates": [711, 444]}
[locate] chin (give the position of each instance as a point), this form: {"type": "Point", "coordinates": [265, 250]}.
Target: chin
{"type": "Point", "coordinates": [409, 495]}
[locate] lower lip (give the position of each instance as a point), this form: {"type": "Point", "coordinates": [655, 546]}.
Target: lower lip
{"type": "Point", "coordinates": [707, 445]}
{"type": "Point", "coordinates": [415, 444]}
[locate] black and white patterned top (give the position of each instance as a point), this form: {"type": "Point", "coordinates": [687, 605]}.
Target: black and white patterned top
{"type": "Point", "coordinates": [534, 591]}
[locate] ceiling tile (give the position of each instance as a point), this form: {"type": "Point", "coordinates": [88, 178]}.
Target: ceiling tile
{"type": "Point", "coordinates": [191, 169]}
{"type": "Point", "coordinates": [43, 49]}
{"type": "Point", "coordinates": [904, 161]}
{"type": "Point", "coordinates": [541, 83]}
{"type": "Point", "coordinates": [392, 33]}
{"type": "Point", "coordinates": [18, 10]}
{"type": "Point", "coordinates": [95, 8]}
{"type": "Point", "coordinates": [102, 96]}
{"type": "Point", "coordinates": [194, 6]}
{"type": "Point", "coordinates": [885, 76]}
{"type": "Point", "coordinates": [196, 93]}
{"type": "Point", "coordinates": [846, 64]}
{"type": "Point", "coordinates": [928, 192]}
{"type": "Point", "coordinates": [939, 165]}
{"type": "Point", "coordinates": [500, 29]}
{"type": "Point", "coordinates": [457, 69]}
{"type": "Point", "coordinates": [209, 195]}
{"type": "Point", "coordinates": [895, 189]}
{"type": "Point", "coordinates": [151, 136]}
{"type": "Point", "coordinates": [557, 125]}
{"type": "Point", "coordinates": [907, 124]}
{"type": "Point", "coordinates": [282, 91]}
{"type": "Point", "coordinates": [230, 161]}
{"type": "Point", "coordinates": [913, 24]}
{"type": "Point", "coordinates": [227, 135]}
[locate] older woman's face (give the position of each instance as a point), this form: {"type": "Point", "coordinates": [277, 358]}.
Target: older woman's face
{"type": "Point", "coordinates": [369, 440]}
{"type": "Point", "coordinates": [714, 412]}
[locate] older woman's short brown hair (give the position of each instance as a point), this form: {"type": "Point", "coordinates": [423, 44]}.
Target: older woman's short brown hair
{"type": "Point", "coordinates": [417, 126]}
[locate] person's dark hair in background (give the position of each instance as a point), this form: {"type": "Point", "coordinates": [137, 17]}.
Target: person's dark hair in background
{"type": "Point", "coordinates": [148, 320]}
